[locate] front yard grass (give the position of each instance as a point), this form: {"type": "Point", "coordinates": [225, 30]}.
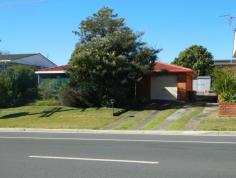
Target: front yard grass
{"type": "Point", "coordinates": [213, 122]}
{"type": "Point", "coordinates": [159, 118]}
{"type": "Point", "coordinates": [180, 123]}
{"type": "Point", "coordinates": [56, 117]}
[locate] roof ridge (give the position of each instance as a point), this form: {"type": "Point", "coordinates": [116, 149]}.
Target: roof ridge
{"type": "Point", "coordinates": [173, 65]}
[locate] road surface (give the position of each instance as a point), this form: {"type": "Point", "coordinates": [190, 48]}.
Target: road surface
{"type": "Point", "coordinates": [77, 155]}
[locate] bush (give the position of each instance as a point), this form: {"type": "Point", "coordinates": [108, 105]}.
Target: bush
{"type": "Point", "coordinates": [224, 84]}
{"type": "Point", "coordinates": [47, 89]}
{"type": "Point", "coordinates": [70, 97]}
{"type": "Point", "coordinates": [230, 100]}
{"type": "Point", "coordinates": [18, 85]}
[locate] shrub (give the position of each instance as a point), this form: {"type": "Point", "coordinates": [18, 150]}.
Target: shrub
{"type": "Point", "coordinates": [224, 84]}
{"type": "Point", "coordinates": [18, 85]}
{"type": "Point", "coordinates": [47, 89]}
{"type": "Point", "coordinates": [70, 97]}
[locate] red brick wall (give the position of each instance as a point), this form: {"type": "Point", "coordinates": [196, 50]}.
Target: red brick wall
{"type": "Point", "coordinates": [181, 86]}
{"type": "Point", "coordinates": [227, 110]}
{"type": "Point", "coordinates": [184, 84]}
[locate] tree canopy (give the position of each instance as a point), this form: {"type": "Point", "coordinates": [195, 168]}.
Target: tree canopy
{"type": "Point", "coordinates": [108, 59]}
{"type": "Point", "coordinates": [197, 58]}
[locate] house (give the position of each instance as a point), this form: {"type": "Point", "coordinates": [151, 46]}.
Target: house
{"type": "Point", "coordinates": [163, 82]}
{"type": "Point", "coordinates": [36, 60]}
{"type": "Point", "coordinates": [228, 64]}
{"type": "Point", "coordinates": [166, 82]}
{"type": "Point", "coordinates": [52, 73]}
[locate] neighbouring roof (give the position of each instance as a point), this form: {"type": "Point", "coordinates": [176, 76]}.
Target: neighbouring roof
{"type": "Point", "coordinates": [12, 57]}
{"type": "Point", "coordinates": [225, 62]}
{"type": "Point", "coordinates": [163, 67]}
{"type": "Point", "coordinates": [35, 59]}
{"type": "Point", "coordinates": [53, 70]}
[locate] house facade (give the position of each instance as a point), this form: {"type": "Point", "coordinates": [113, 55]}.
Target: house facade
{"type": "Point", "coordinates": [163, 82]}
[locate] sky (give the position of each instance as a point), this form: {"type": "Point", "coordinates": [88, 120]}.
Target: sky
{"type": "Point", "coordinates": [45, 26]}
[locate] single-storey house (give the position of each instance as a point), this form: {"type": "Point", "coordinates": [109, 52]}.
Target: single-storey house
{"type": "Point", "coordinates": [163, 82]}
{"type": "Point", "coordinates": [57, 75]}
{"type": "Point", "coordinates": [36, 60]}
{"type": "Point", "coordinates": [167, 82]}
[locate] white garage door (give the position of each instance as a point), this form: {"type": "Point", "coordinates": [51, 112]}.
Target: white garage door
{"type": "Point", "coordinates": [164, 87]}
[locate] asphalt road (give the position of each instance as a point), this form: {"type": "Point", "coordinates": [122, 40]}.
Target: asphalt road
{"type": "Point", "coordinates": [48, 155]}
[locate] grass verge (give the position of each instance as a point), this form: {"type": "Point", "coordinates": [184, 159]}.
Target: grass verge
{"type": "Point", "coordinates": [213, 122]}
{"type": "Point", "coordinates": [159, 118]}
{"type": "Point", "coordinates": [133, 121]}
{"type": "Point", "coordinates": [56, 117]}
{"type": "Point", "coordinates": [180, 123]}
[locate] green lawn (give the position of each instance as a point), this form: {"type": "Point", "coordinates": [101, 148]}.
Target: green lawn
{"type": "Point", "coordinates": [159, 118]}
{"type": "Point", "coordinates": [56, 117]}
{"type": "Point", "coordinates": [180, 123]}
{"type": "Point", "coordinates": [133, 121]}
{"type": "Point", "coordinates": [213, 122]}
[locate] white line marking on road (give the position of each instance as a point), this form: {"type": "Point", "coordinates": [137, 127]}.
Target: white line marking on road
{"type": "Point", "coordinates": [96, 159]}
{"type": "Point", "coordinates": [119, 140]}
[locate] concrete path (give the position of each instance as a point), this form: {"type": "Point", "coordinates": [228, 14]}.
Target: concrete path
{"type": "Point", "coordinates": [146, 119]}
{"type": "Point", "coordinates": [121, 121]}
{"type": "Point", "coordinates": [195, 121]}
{"type": "Point", "coordinates": [173, 117]}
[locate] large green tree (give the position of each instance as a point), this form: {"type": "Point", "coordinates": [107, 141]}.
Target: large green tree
{"type": "Point", "coordinates": [108, 59]}
{"type": "Point", "coordinates": [197, 58]}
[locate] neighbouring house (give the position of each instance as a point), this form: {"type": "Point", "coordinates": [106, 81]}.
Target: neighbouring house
{"type": "Point", "coordinates": [54, 75]}
{"type": "Point", "coordinates": [35, 60]}
{"type": "Point", "coordinates": [163, 82]}
{"type": "Point", "coordinates": [167, 82]}
{"type": "Point", "coordinates": [228, 64]}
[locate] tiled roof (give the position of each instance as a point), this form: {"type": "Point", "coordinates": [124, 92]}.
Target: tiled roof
{"type": "Point", "coordinates": [162, 67]}
{"type": "Point", "coordinates": [14, 56]}
{"type": "Point", "coordinates": [57, 68]}
{"type": "Point", "coordinates": [158, 67]}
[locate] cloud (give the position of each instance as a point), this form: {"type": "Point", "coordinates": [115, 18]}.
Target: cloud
{"type": "Point", "coordinates": [15, 3]}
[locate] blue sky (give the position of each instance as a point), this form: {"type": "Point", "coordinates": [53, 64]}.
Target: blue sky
{"type": "Point", "coordinates": [45, 26]}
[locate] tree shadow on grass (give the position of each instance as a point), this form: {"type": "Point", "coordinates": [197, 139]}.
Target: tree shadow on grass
{"type": "Point", "coordinates": [14, 115]}
{"type": "Point", "coordinates": [45, 113]}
